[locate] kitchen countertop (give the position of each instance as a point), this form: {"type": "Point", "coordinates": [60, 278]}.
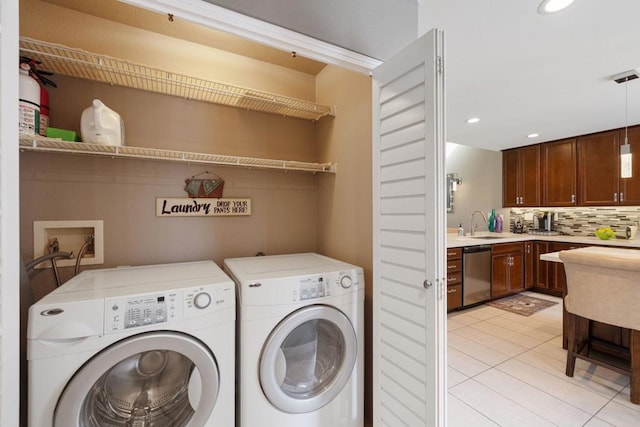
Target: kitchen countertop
{"type": "Point", "coordinates": [455, 241]}
{"type": "Point", "coordinates": [606, 252]}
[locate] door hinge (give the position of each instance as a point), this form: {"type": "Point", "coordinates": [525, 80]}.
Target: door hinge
{"type": "Point", "coordinates": [439, 65]}
{"type": "Point", "coordinates": [441, 285]}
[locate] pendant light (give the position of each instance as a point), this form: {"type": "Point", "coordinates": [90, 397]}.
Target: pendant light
{"type": "Point", "coordinates": [626, 170]}
{"type": "Point", "coordinates": [625, 149]}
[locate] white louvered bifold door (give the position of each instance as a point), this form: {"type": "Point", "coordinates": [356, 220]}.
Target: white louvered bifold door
{"type": "Point", "coordinates": [409, 313]}
{"type": "Point", "coordinates": [9, 212]}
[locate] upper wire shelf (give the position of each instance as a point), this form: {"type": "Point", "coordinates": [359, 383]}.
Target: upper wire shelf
{"type": "Point", "coordinates": [101, 68]}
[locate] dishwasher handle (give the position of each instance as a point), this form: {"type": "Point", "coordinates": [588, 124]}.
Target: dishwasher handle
{"type": "Point", "coordinates": [477, 248]}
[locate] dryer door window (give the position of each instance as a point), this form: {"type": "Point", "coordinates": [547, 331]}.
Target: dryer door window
{"type": "Point", "coordinates": [308, 359]}
{"type": "Point", "coordinates": [154, 379]}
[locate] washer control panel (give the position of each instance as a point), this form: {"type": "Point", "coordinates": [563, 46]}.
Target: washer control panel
{"type": "Point", "coordinates": [146, 311]}
{"type": "Point", "coordinates": [137, 311]}
{"type": "Point", "coordinates": [123, 313]}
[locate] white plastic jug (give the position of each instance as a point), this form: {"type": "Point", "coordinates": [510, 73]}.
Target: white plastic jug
{"type": "Point", "coordinates": [101, 125]}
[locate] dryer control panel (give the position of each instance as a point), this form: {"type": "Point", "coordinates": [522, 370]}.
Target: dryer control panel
{"type": "Point", "coordinates": [311, 288]}
{"type": "Point", "coordinates": [325, 285]}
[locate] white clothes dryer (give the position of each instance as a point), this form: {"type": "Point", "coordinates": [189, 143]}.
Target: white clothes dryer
{"type": "Point", "coordinates": [149, 345]}
{"type": "Point", "coordinates": [300, 341]}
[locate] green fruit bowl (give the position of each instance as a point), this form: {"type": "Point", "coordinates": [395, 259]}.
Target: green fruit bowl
{"type": "Point", "coordinates": [605, 233]}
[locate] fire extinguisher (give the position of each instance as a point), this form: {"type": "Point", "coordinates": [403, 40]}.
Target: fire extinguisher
{"type": "Point", "coordinates": [40, 77]}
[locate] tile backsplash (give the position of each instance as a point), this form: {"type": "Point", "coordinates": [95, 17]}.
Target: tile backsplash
{"type": "Point", "coordinates": [582, 221]}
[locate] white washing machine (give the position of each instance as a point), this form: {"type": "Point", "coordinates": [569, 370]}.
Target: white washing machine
{"type": "Point", "coordinates": [139, 346]}
{"type": "Point", "coordinates": [300, 341]}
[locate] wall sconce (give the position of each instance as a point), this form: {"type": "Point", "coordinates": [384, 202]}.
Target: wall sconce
{"type": "Point", "coordinates": [455, 181]}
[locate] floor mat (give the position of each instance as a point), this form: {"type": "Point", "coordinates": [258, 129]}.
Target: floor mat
{"type": "Point", "coordinates": [521, 304]}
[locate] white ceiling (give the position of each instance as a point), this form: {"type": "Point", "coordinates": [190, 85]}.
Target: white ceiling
{"type": "Point", "coordinates": [376, 28]}
{"type": "Point", "coordinates": [521, 72]}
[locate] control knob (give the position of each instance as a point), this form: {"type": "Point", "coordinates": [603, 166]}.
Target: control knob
{"type": "Point", "coordinates": [345, 282]}
{"type": "Point", "coordinates": [202, 300]}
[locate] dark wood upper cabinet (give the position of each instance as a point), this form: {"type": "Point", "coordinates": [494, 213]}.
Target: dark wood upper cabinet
{"type": "Point", "coordinates": [630, 187]}
{"type": "Point", "coordinates": [581, 171]}
{"type": "Point", "coordinates": [510, 165]}
{"type": "Point", "coordinates": [559, 173]}
{"type": "Point", "coordinates": [521, 177]}
{"type": "Point", "coordinates": [599, 178]}
{"type": "Point", "coordinates": [599, 169]}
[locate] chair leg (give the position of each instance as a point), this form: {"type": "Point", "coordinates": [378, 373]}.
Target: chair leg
{"type": "Point", "coordinates": [571, 345]}
{"type": "Point", "coordinates": [635, 366]}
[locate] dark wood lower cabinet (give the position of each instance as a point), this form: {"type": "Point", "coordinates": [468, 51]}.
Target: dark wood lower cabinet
{"type": "Point", "coordinates": [540, 269]}
{"type": "Point", "coordinates": [507, 268]}
{"type": "Point", "coordinates": [528, 265]}
{"type": "Point", "coordinates": [557, 282]}
{"type": "Point", "coordinates": [454, 278]}
{"type": "Point", "coordinates": [454, 297]}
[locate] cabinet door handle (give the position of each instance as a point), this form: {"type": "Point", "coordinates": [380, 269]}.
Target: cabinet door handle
{"type": "Point", "coordinates": [621, 197]}
{"type": "Point", "coordinates": [615, 197]}
{"type": "Point", "coordinates": [573, 198]}
{"type": "Point", "coordinates": [451, 290]}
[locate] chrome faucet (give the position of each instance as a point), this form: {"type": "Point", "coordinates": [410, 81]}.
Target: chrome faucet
{"type": "Point", "coordinates": [484, 217]}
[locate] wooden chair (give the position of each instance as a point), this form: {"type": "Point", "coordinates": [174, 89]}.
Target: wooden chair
{"type": "Point", "coordinates": [603, 284]}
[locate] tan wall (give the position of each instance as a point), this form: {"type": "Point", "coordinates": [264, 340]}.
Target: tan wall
{"type": "Point", "coordinates": [345, 199]}
{"type": "Point", "coordinates": [122, 192]}
{"type": "Point", "coordinates": [168, 122]}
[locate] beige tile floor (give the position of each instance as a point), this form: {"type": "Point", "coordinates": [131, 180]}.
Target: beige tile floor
{"type": "Point", "coordinates": [508, 370]}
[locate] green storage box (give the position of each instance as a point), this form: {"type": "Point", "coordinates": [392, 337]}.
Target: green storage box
{"type": "Point", "coordinates": [65, 135]}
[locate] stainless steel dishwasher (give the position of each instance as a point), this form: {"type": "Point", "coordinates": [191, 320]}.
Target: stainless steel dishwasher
{"type": "Point", "coordinates": [476, 276]}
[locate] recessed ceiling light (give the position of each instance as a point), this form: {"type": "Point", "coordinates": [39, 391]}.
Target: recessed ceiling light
{"type": "Point", "coordinates": [473, 120]}
{"type": "Point", "coordinates": [533, 135]}
{"type": "Point", "coordinates": [553, 6]}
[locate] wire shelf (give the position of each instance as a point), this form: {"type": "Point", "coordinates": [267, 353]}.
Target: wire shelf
{"type": "Point", "coordinates": [41, 144]}
{"type": "Point", "coordinates": [101, 68]}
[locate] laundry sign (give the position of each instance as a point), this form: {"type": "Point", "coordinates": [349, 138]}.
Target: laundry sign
{"type": "Point", "coordinates": [185, 206]}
